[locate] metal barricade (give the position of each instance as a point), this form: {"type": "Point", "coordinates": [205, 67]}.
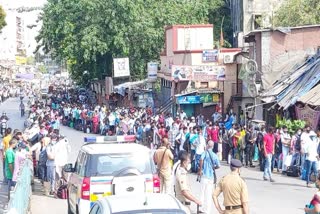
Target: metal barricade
{"type": "Point", "coordinates": [21, 194]}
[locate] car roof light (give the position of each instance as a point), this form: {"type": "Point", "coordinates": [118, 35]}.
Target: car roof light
{"type": "Point", "coordinates": [111, 139]}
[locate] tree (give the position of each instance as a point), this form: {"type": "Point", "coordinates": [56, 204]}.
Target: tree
{"type": "Point", "coordinates": [88, 34]}
{"type": "Point", "coordinates": [2, 18]}
{"type": "Point", "coordinates": [297, 13]}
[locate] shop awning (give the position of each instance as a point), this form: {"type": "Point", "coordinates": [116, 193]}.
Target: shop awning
{"type": "Point", "coordinates": [312, 97]}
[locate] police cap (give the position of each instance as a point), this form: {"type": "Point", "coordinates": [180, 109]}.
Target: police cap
{"type": "Point", "coordinates": [236, 163]}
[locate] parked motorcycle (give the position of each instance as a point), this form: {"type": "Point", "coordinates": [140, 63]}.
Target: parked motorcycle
{"type": "Point", "coordinates": [4, 126]}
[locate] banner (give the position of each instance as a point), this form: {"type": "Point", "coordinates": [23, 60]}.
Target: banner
{"type": "Point", "coordinates": [121, 67]}
{"type": "Point", "coordinates": [189, 99]}
{"type": "Point", "coordinates": [310, 116]}
{"type": "Point", "coordinates": [201, 73]}
{"type": "Point", "coordinates": [152, 71]}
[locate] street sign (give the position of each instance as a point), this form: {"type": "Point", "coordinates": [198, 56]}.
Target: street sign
{"type": "Point", "coordinates": [121, 67]}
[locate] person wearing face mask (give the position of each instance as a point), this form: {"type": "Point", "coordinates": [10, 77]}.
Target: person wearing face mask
{"type": "Point", "coordinates": [182, 187]}
{"type": "Point", "coordinates": [235, 191]}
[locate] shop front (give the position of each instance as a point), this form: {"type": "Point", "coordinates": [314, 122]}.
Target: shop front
{"type": "Point", "coordinates": [205, 104]}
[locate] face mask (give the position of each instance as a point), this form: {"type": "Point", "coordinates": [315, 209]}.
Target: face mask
{"type": "Point", "coordinates": [189, 167]}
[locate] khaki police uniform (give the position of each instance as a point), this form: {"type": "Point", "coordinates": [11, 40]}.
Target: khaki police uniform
{"type": "Point", "coordinates": [181, 184]}
{"type": "Point", "coordinates": [235, 192]}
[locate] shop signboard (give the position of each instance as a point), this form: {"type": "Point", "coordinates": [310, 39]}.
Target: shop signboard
{"type": "Point", "coordinates": [209, 98]}
{"type": "Point", "coordinates": [121, 67]}
{"type": "Point", "coordinates": [210, 55]}
{"type": "Point", "coordinates": [189, 99]}
{"type": "Point", "coordinates": [198, 73]}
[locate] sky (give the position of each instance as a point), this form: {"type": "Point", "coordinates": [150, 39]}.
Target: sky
{"type": "Point", "coordinates": [22, 3]}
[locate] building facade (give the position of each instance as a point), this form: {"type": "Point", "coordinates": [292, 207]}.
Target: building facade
{"type": "Point", "coordinates": [194, 76]}
{"type": "Point", "coordinates": [249, 15]}
{"type": "Point", "coordinates": [277, 52]}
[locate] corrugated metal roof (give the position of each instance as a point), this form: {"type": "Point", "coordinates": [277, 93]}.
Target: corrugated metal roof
{"type": "Point", "coordinates": [290, 88]}
{"type": "Point", "coordinates": [312, 97]}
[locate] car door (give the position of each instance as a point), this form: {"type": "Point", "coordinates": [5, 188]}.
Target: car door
{"type": "Point", "coordinates": [76, 181]}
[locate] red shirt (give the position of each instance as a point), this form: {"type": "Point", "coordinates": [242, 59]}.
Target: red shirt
{"type": "Point", "coordinates": [268, 140]}
{"type": "Point", "coordinates": [215, 135]}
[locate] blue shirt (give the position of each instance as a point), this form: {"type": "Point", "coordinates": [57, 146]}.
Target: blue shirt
{"type": "Point", "coordinates": [207, 168]}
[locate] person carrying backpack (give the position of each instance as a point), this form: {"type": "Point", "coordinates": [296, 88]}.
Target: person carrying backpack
{"type": "Point", "coordinates": [296, 148]}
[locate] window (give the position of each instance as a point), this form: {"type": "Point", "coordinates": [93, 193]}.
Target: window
{"type": "Point", "coordinates": [204, 85]}
{"type": "Point", "coordinates": [107, 164]}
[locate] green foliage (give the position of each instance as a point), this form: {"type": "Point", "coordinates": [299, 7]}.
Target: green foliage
{"type": "Point", "coordinates": [43, 69]}
{"type": "Point", "coordinates": [297, 13]}
{"type": "Point", "coordinates": [2, 18]}
{"type": "Point", "coordinates": [90, 33]}
{"type": "Point", "coordinates": [292, 125]}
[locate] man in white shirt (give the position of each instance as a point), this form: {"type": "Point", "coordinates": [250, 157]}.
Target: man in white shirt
{"type": "Point", "coordinates": [200, 144]}
{"type": "Point", "coordinates": [310, 148]}
{"type": "Point", "coordinates": [182, 115]}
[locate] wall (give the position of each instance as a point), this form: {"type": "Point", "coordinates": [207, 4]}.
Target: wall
{"type": "Point", "coordinates": [298, 39]}
{"type": "Point", "coordinates": [194, 38]}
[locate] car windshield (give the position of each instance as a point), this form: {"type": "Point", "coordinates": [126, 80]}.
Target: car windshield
{"type": "Point", "coordinates": [112, 164]}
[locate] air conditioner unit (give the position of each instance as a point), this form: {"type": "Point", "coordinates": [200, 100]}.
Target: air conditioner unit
{"type": "Point", "coordinates": [228, 58]}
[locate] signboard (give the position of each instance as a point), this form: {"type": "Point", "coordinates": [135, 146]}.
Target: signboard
{"type": "Point", "coordinates": [209, 98]}
{"type": "Point", "coordinates": [20, 60]}
{"type": "Point", "coordinates": [201, 73]}
{"type": "Point", "coordinates": [310, 116]}
{"type": "Point", "coordinates": [152, 71]}
{"type": "Point", "coordinates": [121, 67]}
{"type": "Point", "coordinates": [210, 55]}
{"type": "Point", "coordinates": [189, 99]}
{"type": "Point", "coordinates": [181, 73]}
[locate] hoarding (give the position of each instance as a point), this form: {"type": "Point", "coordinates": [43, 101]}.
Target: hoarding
{"type": "Point", "coordinates": [121, 67]}
{"type": "Point", "coordinates": [201, 73]}
{"type": "Point", "coordinates": [152, 71]}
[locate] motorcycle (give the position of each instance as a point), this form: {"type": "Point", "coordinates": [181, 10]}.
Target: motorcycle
{"type": "Point", "coordinates": [3, 126]}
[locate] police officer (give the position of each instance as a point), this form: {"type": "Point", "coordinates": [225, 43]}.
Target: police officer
{"type": "Point", "coordinates": [182, 187]}
{"type": "Point", "coordinates": [234, 191]}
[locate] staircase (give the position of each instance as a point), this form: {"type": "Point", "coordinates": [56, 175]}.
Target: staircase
{"type": "Point", "coordinates": [166, 106]}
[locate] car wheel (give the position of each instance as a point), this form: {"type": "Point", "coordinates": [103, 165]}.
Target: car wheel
{"type": "Point", "coordinates": [69, 207]}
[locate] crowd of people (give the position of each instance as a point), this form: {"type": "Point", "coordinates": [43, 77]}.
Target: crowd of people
{"type": "Point", "coordinates": [208, 141]}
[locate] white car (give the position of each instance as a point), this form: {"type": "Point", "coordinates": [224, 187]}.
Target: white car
{"type": "Point", "coordinates": [109, 168]}
{"type": "Point", "coordinates": [138, 204]}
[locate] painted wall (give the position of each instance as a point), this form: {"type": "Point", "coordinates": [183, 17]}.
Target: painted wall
{"type": "Point", "coordinates": [194, 38]}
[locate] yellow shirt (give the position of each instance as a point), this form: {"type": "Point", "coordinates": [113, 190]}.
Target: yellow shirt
{"type": "Point", "coordinates": [5, 142]}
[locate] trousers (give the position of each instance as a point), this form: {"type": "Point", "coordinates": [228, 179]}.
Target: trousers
{"type": "Point", "coordinates": [51, 176]}
{"type": "Point", "coordinates": [206, 188]}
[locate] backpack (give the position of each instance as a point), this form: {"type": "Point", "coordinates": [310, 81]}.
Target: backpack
{"type": "Point", "coordinates": [186, 144]}
{"type": "Point", "coordinates": [297, 145]}
{"type": "Point", "coordinates": [62, 191]}
{"type": "Point", "coordinates": [43, 157]}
